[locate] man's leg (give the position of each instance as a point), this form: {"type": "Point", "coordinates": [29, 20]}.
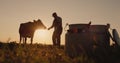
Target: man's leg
{"type": "Point", "coordinates": [59, 37]}
{"type": "Point", "coordinates": [58, 40]}
{"type": "Point", "coordinates": [54, 39]}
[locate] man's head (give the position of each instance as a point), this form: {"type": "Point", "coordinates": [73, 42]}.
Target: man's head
{"type": "Point", "coordinates": [54, 14]}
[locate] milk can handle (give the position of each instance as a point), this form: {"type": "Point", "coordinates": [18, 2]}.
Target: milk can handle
{"type": "Point", "coordinates": [66, 26]}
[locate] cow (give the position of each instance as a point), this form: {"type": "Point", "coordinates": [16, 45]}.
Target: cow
{"type": "Point", "coordinates": [27, 30]}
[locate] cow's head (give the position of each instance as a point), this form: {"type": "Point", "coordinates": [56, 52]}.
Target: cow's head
{"type": "Point", "coordinates": [39, 24]}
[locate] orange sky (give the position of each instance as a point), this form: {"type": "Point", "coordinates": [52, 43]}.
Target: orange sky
{"type": "Point", "coordinates": [14, 12]}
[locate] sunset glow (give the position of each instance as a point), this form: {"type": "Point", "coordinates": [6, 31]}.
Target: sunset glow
{"type": "Point", "coordinates": [14, 12]}
{"type": "Point", "coordinates": [41, 33]}
{"type": "Point", "coordinates": [42, 36]}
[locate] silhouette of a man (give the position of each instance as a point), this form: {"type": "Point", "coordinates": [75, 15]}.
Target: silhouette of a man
{"type": "Point", "coordinates": [57, 25]}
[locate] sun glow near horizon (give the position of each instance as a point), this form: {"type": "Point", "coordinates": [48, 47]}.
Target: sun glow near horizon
{"type": "Point", "coordinates": [42, 36]}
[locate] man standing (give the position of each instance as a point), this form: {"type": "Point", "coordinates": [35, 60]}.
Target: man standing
{"type": "Point", "coordinates": [57, 25]}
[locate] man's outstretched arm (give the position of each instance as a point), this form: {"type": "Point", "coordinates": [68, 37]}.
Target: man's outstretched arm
{"type": "Point", "coordinates": [52, 25]}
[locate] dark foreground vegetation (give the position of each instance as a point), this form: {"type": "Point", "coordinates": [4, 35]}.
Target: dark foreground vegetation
{"type": "Point", "coordinates": [38, 53]}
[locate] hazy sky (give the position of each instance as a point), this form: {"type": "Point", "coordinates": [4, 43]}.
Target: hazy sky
{"type": "Point", "coordinates": [14, 12]}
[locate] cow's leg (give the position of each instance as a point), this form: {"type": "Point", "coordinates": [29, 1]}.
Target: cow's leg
{"type": "Point", "coordinates": [31, 40]}
{"type": "Point", "coordinates": [25, 39]}
{"type": "Point", "coordinates": [20, 40]}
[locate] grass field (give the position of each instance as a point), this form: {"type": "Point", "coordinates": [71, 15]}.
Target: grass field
{"type": "Point", "coordinates": [38, 53]}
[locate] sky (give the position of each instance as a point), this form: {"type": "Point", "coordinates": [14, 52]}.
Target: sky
{"type": "Point", "coordinates": [14, 12]}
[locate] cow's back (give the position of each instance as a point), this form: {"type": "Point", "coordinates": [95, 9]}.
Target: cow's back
{"type": "Point", "coordinates": [26, 29]}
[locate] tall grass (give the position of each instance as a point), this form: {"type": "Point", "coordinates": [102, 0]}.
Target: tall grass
{"type": "Point", "coordinates": [38, 53]}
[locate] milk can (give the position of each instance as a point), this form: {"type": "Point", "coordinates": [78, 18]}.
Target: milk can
{"type": "Point", "coordinates": [80, 38]}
